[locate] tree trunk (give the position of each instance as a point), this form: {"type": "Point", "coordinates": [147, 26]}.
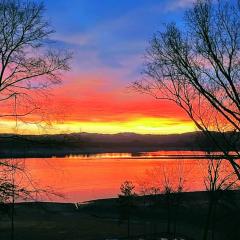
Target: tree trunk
{"type": "Point", "coordinates": [208, 220]}
{"type": "Point", "coordinates": [128, 228]}
{"type": "Point", "coordinates": [175, 217]}
{"type": "Point", "coordinates": [213, 220]}
{"type": "Point", "coordinates": [12, 216]}
{"type": "Point", "coordinates": [169, 214]}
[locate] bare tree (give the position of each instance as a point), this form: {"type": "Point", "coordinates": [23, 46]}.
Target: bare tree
{"type": "Point", "coordinates": [28, 66]}
{"type": "Point", "coordinates": [218, 180]}
{"type": "Point", "coordinates": [126, 200]}
{"type": "Point", "coordinates": [167, 191]}
{"type": "Point", "coordinates": [198, 69]}
{"type": "Point", "coordinates": [27, 63]}
{"type": "Point", "coordinates": [173, 185]}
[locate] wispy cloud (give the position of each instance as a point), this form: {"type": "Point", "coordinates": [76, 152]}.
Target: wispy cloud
{"type": "Point", "coordinates": [178, 4]}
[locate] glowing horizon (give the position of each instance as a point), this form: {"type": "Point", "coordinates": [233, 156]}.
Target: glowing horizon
{"type": "Point", "coordinates": [108, 44]}
{"type": "Point", "coordinates": [139, 126]}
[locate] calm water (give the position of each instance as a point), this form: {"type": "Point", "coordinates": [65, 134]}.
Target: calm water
{"type": "Point", "coordinates": [87, 177]}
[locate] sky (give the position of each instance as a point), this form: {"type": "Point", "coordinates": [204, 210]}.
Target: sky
{"type": "Point", "coordinates": [108, 39]}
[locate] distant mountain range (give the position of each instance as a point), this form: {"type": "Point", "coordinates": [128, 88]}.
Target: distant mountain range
{"type": "Point", "coordinates": [77, 143]}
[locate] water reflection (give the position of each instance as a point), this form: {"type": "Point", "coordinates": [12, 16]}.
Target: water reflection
{"type": "Point", "coordinates": [152, 155]}
{"type": "Point", "coordinates": [101, 155]}
{"type": "Point", "coordinates": [92, 176]}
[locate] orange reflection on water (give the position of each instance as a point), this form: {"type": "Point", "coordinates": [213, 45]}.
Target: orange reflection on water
{"type": "Point", "coordinates": [101, 155]}
{"type": "Point", "coordinates": [83, 178]}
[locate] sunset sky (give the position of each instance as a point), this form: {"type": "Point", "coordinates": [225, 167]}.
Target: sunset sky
{"type": "Point", "coordinates": [108, 39]}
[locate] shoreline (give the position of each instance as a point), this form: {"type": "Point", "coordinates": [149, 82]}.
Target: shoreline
{"type": "Point", "coordinates": [195, 194]}
{"type": "Point", "coordinates": [136, 154]}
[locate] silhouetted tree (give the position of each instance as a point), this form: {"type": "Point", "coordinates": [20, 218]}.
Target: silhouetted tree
{"type": "Point", "coordinates": [197, 67]}
{"type": "Point", "coordinates": [149, 189]}
{"type": "Point", "coordinates": [27, 67]}
{"type": "Point", "coordinates": [167, 191]}
{"type": "Point", "coordinates": [217, 180]}
{"type": "Point", "coordinates": [27, 62]}
{"type": "Point", "coordinates": [173, 185]}
{"type": "Point", "coordinates": [126, 200]}
{"type": "Point", "coordinates": [177, 197]}
{"type": "Point", "coordinates": [10, 192]}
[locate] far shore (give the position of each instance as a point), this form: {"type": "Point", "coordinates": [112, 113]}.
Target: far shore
{"type": "Point", "coordinates": [90, 152]}
{"type": "Point", "coordinates": [61, 145]}
{"type": "Point", "coordinates": [64, 152]}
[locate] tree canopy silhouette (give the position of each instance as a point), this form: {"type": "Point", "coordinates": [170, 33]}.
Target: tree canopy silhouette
{"type": "Point", "coordinates": [26, 61]}
{"type": "Point", "coordinates": [27, 65]}
{"type": "Point", "coordinates": [197, 67]}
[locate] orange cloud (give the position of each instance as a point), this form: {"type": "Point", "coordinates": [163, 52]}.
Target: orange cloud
{"type": "Point", "coordinates": [94, 103]}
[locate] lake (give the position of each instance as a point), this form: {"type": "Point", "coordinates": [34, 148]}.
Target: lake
{"type": "Point", "coordinates": [86, 177]}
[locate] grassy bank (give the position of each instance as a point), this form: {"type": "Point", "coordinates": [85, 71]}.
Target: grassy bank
{"type": "Point", "coordinates": [149, 218]}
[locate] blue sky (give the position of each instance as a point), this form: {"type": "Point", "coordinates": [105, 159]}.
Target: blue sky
{"type": "Point", "coordinates": [111, 32]}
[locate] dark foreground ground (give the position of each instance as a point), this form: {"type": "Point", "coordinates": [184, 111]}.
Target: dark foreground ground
{"type": "Point", "coordinates": [150, 218]}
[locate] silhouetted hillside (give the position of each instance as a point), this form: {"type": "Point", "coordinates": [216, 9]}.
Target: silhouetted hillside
{"type": "Point", "coordinates": [61, 145]}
